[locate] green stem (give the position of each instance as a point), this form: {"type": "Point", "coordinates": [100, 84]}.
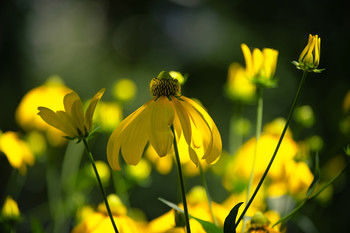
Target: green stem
{"type": "Point", "coordinates": [259, 115]}
{"type": "Point", "coordinates": [276, 150]}
{"type": "Point", "coordinates": [100, 185]}
{"type": "Point", "coordinates": [289, 215]}
{"type": "Point", "coordinates": [183, 193]}
{"type": "Point", "coordinates": [204, 182]}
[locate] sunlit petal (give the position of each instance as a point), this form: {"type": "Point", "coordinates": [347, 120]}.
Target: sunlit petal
{"type": "Point", "coordinates": [162, 117]}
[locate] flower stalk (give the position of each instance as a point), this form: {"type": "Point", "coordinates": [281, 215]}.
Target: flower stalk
{"type": "Point", "coordinates": [100, 185]}
{"type": "Point", "coordinates": [259, 116]}
{"type": "Point", "coordinates": [276, 150]}
{"type": "Point", "coordinates": [182, 186]}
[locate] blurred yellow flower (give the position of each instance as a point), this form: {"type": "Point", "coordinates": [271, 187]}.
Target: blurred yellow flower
{"type": "Point", "coordinates": [260, 65]}
{"type": "Point", "coordinates": [260, 224]}
{"type": "Point", "coordinates": [346, 102]}
{"type": "Point", "coordinates": [108, 115]}
{"type": "Point", "coordinates": [10, 209]}
{"type": "Point", "coordinates": [139, 173]}
{"type": "Point", "coordinates": [103, 170]}
{"type": "Point", "coordinates": [152, 122]}
{"type": "Point", "coordinates": [49, 95]}
{"type": "Point", "coordinates": [124, 90]}
{"type": "Point", "coordinates": [16, 150]}
{"type": "Point", "coordinates": [72, 121]}
{"type": "Point", "coordinates": [238, 86]}
{"type": "Point", "coordinates": [99, 221]}
{"type": "Point", "coordinates": [197, 206]}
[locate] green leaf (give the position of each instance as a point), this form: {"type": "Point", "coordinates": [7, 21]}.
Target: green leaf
{"type": "Point", "coordinates": [230, 221]}
{"type": "Point", "coordinates": [316, 180]}
{"type": "Point", "coordinates": [207, 226]}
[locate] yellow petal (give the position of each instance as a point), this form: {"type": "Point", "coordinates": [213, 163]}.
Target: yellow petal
{"type": "Point", "coordinates": [270, 62]}
{"type": "Point", "coordinates": [115, 140]}
{"type": "Point", "coordinates": [184, 119]}
{"type": "Point", "coordinates": [257, 60]}
{"type": "Point", "coordinates": [162, 117]}
{"type": "Point", "coordinates": [248, 59]}
{"type": "Point", "coordinates": [193, 156]}
{"type": "Point", "coordinates": [52, 118]}
{"type": "Point", "coordinates": [91, 109]}
{"type": "Point", "coordinates": [216, 148]}
{"type": "Point", "coordinates": [74, 108]}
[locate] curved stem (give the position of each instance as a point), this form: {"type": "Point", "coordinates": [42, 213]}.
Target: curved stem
{"type": "Point", "coordinates": [276, 150]}
{"type": "Point", "coordinates": [100, 185]}
{"type": "Point", "coordinates": [183, 193]}
{"type": "Point", "coordinates": [259, 115]}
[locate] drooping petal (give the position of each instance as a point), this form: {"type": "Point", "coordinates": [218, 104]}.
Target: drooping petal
{"type": "Point", "coordinates": [74, 108]}
{"type": "Point", "coordinates": [116, 139]}
{"type": "Point", "coordinates": [135, 137]}
{"type": "Point", "coordinates": [52, 118]}
{"type": "Point", "coordinates": [91, 109]}
{"type": "Point", "coordinates": [216, 147]}
{"type": "Point", "coordinates": [248, 59]}
{"type": "Point", "coordinates": [184, 119]}
{"type": "Point", "coordinates": [162, 117]}
{"type": "Point", "coordinates": [193, 156]}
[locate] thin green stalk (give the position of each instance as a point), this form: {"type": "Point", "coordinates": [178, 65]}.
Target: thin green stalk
{"type": "Point", "coordinates": [259, 115]}
{"type": "Point", "coordinates": [204, 182]}
{"type": "Point", "coordinates": [276, 150]}
{"type": "Point", "coordinates": [100, 185]}
{"type": "Point", "coordinates": [289, 215]}
{"type": "Point", "coordinates": [183, 193]}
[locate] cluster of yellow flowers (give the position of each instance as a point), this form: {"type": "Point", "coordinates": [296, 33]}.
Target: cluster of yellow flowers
{"type": "Point", "coordinates": [171, 124]}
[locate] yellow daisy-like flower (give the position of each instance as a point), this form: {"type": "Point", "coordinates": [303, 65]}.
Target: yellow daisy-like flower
{"type": "Point", "coordinates": [72, 121]}
{"type": "Point", "coordinates": [16, 150]}
{"type": "Point", "coordinates": [261, 65]}
{"type": "Point", "coordinates": [152, 123]}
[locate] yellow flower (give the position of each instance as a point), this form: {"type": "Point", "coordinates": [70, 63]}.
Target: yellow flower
{"type": "Point", "coordinates": [309, 58]}
{"type": "Point", "coordinates": [99, 221]}
{"type": "Point", "coordinates": [260, 65]}
{"type": "Point", "coordinates": [108, 115]}
{"type": "Point", "coordinates": [152, 121]}
{"type": "Point", "coordinates": [260, 224]}
{"type": "Point", "coordinates": [72, 121]}
{"type": "Point", "coordinates": [124, 90]}
{"type": "Point", "coordinates": [239, 87]}
{"type": "Point", "coordinates": [10, 209]}
{"type": "Point", "coordinates": [49, 95]}
{"type": "Point", "coordinates": [16, 150]}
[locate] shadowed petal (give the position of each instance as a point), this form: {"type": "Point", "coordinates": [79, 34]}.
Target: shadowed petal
{"type": "Point", "coordinates": [162, 117]}
{"type": "Point", "coordinates": [184, 119]}
{"type": "Point", "coordinates": [53, 119]}
{"type": "Point", "coordinates": [91, 109]}
{"type": "Point", "coordinates": [74, 108]}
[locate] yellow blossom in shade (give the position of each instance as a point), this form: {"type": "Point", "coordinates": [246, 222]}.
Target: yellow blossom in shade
{"type": "Point", "coordinates": [10, 209]}
{"type": "Point", "coordinates": [72, 121]}
{"type": "Point", "coordinates": [108, 115]}
{"type": "Point", "coordinates": [152, 121]}
{"type": "Point", "coordinates": [49, 95]}
{"type": "Point", "coordinates": [16, 150]}
{"type": "Point", "coordinates": [99, 221]}
{"type": "Point", "coordinates": [260, 65]}
{"type": "Point", "coordinates": [124, 90]}
{"type": "Point", "coordinates": [238, 86]}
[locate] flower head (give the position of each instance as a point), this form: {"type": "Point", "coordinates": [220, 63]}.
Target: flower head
{"type": "Point", "coordinates": [309, 58]}
{"type": "Point", "coordinates": [152, 121]}
{"type": "Point", "coordinates": [72, 121]}
{"type": "Point", "coordinates": [261, 65]}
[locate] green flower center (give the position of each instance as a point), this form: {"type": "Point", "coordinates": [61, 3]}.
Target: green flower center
{"type": "Point", "coordinates": [165, 85]}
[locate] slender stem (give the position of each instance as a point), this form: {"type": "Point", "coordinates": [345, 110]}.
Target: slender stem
{"type": "Point", "coordinates": [259, 115]}
{"type": "Point", "coordinates": [183, 193]}
{"type": "Point", "coordinates": [204, 182]}
{"type": "Point", "coordinates": [100, 185]}
{"type": "Point", "coordinates": [276, 150]}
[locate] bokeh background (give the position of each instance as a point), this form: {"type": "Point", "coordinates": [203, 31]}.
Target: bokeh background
{"type": "Point", "coordinates": [92, 44]}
